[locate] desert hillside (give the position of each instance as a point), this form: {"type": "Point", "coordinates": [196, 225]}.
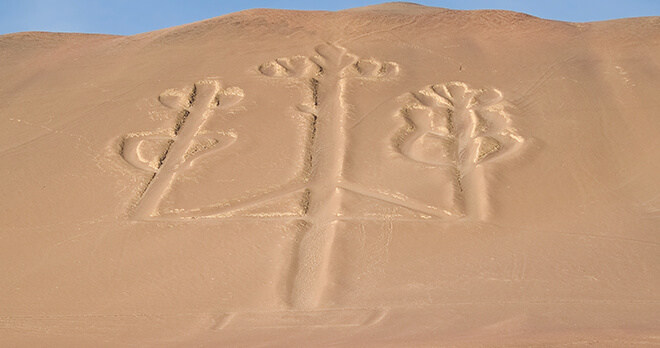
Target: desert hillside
{"type": "Point", "coordinates": [392, 175]}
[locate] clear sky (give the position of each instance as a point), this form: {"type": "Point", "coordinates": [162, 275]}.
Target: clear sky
{"type": "Point", "coordinates": [126, 17]}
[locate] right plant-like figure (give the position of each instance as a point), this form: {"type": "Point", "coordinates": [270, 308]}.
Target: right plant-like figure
{"type": "Point", "coordinates": [454, 125]}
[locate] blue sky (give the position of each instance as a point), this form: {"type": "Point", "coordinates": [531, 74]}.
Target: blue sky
{"type": "Point", "coordinates": [126, 17]}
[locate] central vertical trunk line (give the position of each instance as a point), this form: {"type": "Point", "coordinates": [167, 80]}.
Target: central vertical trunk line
{"type": "Point", "coordinates": [315, 249]}
{"type": "Point", "coordinates": [473, 204]}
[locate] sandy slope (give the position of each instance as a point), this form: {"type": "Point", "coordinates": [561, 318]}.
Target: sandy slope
{"type": "Point", "coordinates": [394, 175]}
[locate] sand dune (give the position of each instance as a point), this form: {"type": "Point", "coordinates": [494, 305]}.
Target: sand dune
{"type": "Point", "coordinates": [392, 175]}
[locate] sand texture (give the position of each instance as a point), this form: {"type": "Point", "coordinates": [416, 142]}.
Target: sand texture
{"type": "Point", "coordinates": [388, 176]}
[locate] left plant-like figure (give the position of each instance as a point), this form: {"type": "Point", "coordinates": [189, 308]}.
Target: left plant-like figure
{"type": "Point", "coordinates": [167, 153]}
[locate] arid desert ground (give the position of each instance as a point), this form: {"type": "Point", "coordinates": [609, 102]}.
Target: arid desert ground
{"type": "Point", "coordinates": [388, 176]}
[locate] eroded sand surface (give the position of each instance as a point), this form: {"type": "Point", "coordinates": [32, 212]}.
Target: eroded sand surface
{"type": "Point", "coordinates": [395, 175]}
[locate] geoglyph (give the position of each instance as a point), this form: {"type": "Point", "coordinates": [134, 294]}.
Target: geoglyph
{"type": "Point", "coordinates": [450, 125]}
